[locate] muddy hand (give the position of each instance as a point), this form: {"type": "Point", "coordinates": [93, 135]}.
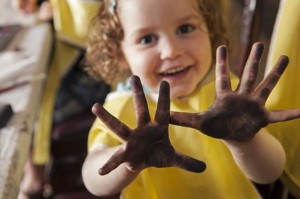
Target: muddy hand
{"type": "Point", "coordinates": [240, 114]}
{"type": "Point", "coordinates": [147, 145]}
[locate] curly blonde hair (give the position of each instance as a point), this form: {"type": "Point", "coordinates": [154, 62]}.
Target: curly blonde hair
{"type": "Point", "coordinates": [106, 34]}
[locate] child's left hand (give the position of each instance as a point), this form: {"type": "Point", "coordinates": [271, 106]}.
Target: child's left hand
{"type": "Point", "coordinates": [238, 115]}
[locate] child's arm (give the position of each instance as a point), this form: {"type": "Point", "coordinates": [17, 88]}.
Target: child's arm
{"type": "Point", "coordinates": [237, 117]}
{"type": "Point", "coordinates": [102, 185]}
{"type": "Point", "coordinates": [147, 145]}
{"type": "Point", "coordinates": [262, 159]}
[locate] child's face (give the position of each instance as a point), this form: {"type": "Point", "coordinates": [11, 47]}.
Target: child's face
{"type": "Point", "coordinates": [165, 40]}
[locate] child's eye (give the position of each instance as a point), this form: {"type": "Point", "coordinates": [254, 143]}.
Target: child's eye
{"type": "Point", "coordinates": [148, 39]}
{"type": "Point", "coordinates": [186, 28]}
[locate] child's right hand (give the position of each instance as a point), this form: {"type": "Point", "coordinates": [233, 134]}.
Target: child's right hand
{"type": "Point", "coordinates": [148, 145]}
{"type": "Point", "coordinates": [239, 114]}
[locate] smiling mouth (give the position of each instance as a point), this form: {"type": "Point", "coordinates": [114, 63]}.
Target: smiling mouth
{"type": "Point", "coordinates": [175, 71]}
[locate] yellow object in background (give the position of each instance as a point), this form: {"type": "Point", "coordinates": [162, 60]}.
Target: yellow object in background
{"type": "Point", "coordinates": [63, 58]}
{"type": "Point", "coordinates": [71, 19]}
{"type": "Point", "coordinates": [286, 95]}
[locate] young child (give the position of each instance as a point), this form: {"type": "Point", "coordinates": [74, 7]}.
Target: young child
{"type": "Point", "coordinates": [169, 44]}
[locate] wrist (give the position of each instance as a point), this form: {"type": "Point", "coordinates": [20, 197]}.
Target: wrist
{"type": "Point", "coordinates": [134, 170]}
{"type": "Point", "coordinates": [242, 147]}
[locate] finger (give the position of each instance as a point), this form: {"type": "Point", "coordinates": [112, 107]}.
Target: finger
{"type": "Point", "coordinates": [114, 161]}
{"type": "Point", "coordinates": [192, 120]}
{"type": "Point", "coordinates": [249, 75]}
{"type": "Point", "coordinates": [188, 163]}
{"type": "Point", "coordinates": [162, 114]}
{"type": "Point", "coordinates": [111, 122]}
{"type": "Point", "coordinates": [222, 74]}
{"type": "Point", "coordinates": [284, 115]}
{"type": "Point", "coordinates": [31, 6]}
{"type": "Point", "coordinates": [264, 89]}
{"type": "Point", "coordinates": [140, 102]}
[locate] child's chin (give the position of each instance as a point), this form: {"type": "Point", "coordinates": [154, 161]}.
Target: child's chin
{"type": "Point", "coordinates": [179, 94]}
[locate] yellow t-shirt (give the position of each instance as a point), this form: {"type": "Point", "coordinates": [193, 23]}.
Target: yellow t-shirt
{"type": "Point", "coordinates": [221, 180]}
{"type": "Point", "coordinates": [286, 95]}
{"type": "Point", "coordinates": [72, 18]}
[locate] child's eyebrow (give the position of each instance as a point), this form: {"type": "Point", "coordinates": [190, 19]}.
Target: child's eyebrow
{"type": "Point", "coordinates": [191, 17]}
{"type": "Point", "coordinates": [148, 29]}
{"type": "Point", "coordinates": [141, 31]}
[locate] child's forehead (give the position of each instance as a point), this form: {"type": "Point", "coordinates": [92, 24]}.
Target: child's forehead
{"type": "Point", "coordinates": [153, 7]}
{"type": "Point", "coordinates": [143, 16]}
{"type": "Point", "coordinates": [158, 3]}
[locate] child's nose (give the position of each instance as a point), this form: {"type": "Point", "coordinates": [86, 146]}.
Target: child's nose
{"type": "Point", "coordinates": [171, 49]}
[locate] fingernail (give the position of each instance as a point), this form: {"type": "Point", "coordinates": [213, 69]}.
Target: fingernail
{"type": "Point", "coordinates": [284, 61]}
{"type": "Point", "coordinates": [259, 51]}
{"type": "Point", "coordinates": [223, 52]}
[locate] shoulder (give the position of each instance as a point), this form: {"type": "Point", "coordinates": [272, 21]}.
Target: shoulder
{"type": "Point", "coordinates": [120, 105]}
{"type": "Point", "coordinates": [118, 99]}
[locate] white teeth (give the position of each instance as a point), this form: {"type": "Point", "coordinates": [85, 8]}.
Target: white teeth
{"type": "Point", "coordinates": [174, 71]}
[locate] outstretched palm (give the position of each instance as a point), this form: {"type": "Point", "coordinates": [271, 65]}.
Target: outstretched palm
{"type": "Point", "coordinates": [240, 114]}
{"type": "Point", "coordinates": [147, 145]}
